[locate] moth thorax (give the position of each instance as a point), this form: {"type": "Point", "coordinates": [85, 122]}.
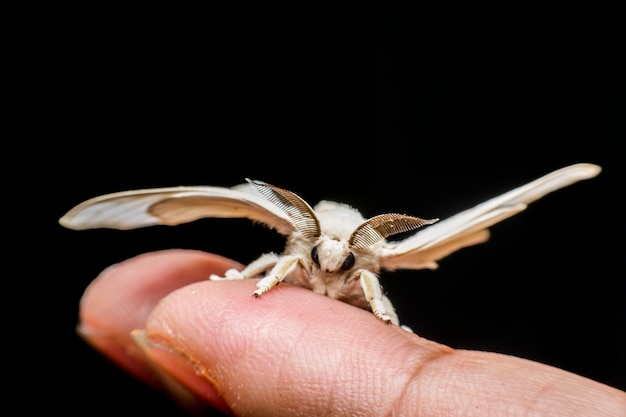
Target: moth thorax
{"type": "Point", "coordinates": [333, 255]}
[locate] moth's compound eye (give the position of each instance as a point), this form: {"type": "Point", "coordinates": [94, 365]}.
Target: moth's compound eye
{"type": "Point", "coordinates": [348, 262]}
{"type": "Point", "coordinates": [314, 256]}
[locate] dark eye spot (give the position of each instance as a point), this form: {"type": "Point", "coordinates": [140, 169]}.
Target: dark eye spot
{"type": "Point", "coordinates": [314, 256]}
{"type": "Point", "coordinates": [348, 262]}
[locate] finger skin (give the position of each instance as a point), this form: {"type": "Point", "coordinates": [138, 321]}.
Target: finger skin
{"type": "Point", "coordinates": [293, 351]}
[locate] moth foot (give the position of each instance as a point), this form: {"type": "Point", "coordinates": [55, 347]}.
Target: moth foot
{"type": "Point", "coordinates": [229, 274]}
{"type": "Point", "coordinates": [260, 292]}
{"type": "Point", "coordinates": [384, 317]}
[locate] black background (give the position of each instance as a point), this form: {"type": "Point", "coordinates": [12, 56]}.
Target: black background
{"type": "Point", "coordinates": [426, 110]}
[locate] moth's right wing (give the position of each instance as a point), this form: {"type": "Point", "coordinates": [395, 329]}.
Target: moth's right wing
{"type": "Point", "coordinates": [175, 205]}
{"type": "Point", "coordinates": [470, 227]}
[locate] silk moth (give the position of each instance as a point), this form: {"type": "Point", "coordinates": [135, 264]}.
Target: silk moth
{"type": "Point", "coordinates": [330, 248]}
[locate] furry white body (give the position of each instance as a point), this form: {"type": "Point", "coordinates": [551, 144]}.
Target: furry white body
{"type": "Point", "coordinates": [295, 265]}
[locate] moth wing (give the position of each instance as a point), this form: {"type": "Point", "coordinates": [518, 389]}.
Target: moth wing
{"type": "Point", "coordinates": [469, 227]}
{"type": "Point", "coordinates": [175, 205]}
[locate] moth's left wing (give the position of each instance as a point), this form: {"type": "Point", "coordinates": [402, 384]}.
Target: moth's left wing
{"type": "Point", "coordinates": [469, 227]}
{"type": "Point", "coordinates": [175, 205]}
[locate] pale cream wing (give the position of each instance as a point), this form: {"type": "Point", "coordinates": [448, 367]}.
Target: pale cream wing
{"type": "Point", "coordinates": [175, 205]}
{"type": "Point", "coordinates": [468, 227]}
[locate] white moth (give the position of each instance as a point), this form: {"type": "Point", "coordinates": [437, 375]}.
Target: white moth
{"type": "Point", "coordinates": [330, 248]}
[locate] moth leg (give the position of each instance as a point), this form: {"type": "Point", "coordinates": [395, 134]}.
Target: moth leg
{"type": "Point", "coordinates": [380, 305]}
{"type": "Point", "coordinates": [255, 268]}
{"type": "Point", "coordinates": [283, 267]}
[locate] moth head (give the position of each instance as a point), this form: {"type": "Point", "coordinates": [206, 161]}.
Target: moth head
{"type": "Point", "coordinates": [332, 255]}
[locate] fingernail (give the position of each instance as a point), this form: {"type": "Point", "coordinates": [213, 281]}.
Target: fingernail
{"type": "Point", "coordinates": [180, 376]}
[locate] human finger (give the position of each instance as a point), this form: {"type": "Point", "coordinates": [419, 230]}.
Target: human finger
{"type": "Point", "coordinates": [294, 352]}
{"type": "Point", "coordinates": [307, 352]}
